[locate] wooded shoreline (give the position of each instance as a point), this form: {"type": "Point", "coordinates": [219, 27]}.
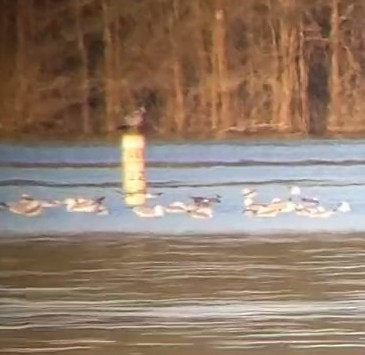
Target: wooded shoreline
{"type": "Point", "coordinates": [202, 68]}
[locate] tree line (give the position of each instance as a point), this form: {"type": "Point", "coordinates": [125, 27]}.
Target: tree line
{"type": "Point", "coordinates": [200, 67]}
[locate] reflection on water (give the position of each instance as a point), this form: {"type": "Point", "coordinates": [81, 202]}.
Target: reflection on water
{"type": "Point", "coordinates": [120, 294]}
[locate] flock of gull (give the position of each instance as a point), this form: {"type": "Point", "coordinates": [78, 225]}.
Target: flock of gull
{"type": "Point", "coordinates": [203, 207]}
{"type": "Point", "coordinates": [199, 207]}
{"type": "Point", "coordinates": [296, 203]}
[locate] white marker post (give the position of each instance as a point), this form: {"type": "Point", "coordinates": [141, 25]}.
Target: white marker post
{"type": "Point", "coordinates": [133, 168]}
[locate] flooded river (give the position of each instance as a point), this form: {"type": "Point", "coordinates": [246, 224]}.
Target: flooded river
{"type": "Point", "coordinates": [117, 284]}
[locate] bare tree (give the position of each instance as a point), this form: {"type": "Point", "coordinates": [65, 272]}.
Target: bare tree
{"type": "Point", "coordinates": [109, 67]}
{"type": "Point", "coordinates": [335, 81]}
{"type": "Point", "coordinates": [201, 67]}
{"type": "Point", "coordinates": [177, 75]}
{"type": "Point", "coordinates": [84, 76]}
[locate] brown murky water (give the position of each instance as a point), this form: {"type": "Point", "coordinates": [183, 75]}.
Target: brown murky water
{"type": "Point", "coordinates": [184, 295]}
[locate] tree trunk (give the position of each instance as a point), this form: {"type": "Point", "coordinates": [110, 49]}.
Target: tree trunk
{"type": "Point", "coordinates": [216, 65]}
{"type": "Point", "coordinates": [202, 65]}
{"type": "Point", "coordinates": [276, 75]}
{"type": "Point", "coordinates": [225, 119]}
{"type": "Point", "coordinates": [84, 85]}
{"type": "Point", "coordinates": [180, 115]}
{"type": "Point", "coordinates": [110, 123]}
{"type": "Point", "coordinates": [335, 80]}
{"type": "Point", "coordinates": [120, 90]}
{"type": "Point", "coordinates": [304, 126]}
{"type": "Point", "coordinates": [7, 118]}
{"type": "Point", "coordinates": [21, 60]}
{"type": "Point", "coordinates": [287, 52]}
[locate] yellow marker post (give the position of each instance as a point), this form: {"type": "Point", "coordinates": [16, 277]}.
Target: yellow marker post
{"type": "Point", "coordinates": [133, 167]}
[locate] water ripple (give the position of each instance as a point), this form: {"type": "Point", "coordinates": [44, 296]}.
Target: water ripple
{"type": "Point", "coordinates": [159, 293]}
